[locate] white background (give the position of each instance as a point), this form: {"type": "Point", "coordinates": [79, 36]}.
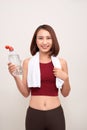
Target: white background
{"type": "Point", "coordinates": [18, 21]}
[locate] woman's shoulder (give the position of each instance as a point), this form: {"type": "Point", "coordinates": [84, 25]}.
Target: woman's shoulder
{"type": "Point", "coordinates": [26, 61]}
{"type": "Point", "coordinates": [63, 62]}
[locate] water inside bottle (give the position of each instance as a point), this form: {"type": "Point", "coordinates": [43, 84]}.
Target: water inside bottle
{"type": "Point", "coordinates": [15, 59]}
{"type": "Point", "coordinates": [18, 71]}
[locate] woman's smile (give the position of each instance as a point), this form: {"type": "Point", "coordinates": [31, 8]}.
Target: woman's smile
{"type": "Point", "coordinates": [44, 40]}
{"type": "Point", "coordinates": [45, 46]}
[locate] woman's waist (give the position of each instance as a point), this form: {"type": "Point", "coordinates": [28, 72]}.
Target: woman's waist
{"type": "Point", "coordinates": [44, 102]}
{"type": "Point", "coordinates": [45, 90]}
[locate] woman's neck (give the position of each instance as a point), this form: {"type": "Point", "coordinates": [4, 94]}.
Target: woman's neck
{"type": "Point", "coordinates": [44, 58]}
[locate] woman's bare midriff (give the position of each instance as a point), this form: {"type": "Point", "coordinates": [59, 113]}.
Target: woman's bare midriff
{"type": "Point", "coordinates": [44, 102]}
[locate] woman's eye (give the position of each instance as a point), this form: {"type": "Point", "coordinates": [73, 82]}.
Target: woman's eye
{"type": "Point", "coordinates": [40, 38]}
{"type": "Point", "coordinates": [49, 38]}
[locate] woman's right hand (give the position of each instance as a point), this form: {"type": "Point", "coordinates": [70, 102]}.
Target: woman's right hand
{"type": "Point", "coordinates": [11, 68]}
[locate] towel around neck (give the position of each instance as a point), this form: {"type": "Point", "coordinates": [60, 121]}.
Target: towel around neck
{"type": "Point", "coordinates": [34, 78]}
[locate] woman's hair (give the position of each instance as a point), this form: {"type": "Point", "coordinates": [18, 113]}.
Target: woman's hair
{"type": "Point", "coordinates": [55, 45]}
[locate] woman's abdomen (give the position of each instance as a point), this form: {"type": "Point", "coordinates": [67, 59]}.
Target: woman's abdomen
{"type": "Point", "coordinates": [44, 102]}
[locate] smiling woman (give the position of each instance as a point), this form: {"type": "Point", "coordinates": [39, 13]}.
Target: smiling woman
{"type": "Point", "coordinates": [43, 75]}
{"type": "Point", "coordinates": [44, 41]}
{"type": "Point", "coordinates": [47, 33]}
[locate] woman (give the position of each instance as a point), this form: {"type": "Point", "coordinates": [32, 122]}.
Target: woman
{"type": "Point", "coordinates": [43, 80]}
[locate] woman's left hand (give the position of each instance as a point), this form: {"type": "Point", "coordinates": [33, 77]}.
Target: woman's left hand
{"type": "Point", "coordinates": [59, 73]}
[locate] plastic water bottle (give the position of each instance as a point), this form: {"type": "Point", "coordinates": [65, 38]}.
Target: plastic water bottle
{"type": "Point", "coordinates": [14, 58]}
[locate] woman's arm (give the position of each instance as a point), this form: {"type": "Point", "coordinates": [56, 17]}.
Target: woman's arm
{"type": "Point", "coordinates": [66, 86]}
{"type": "Point", "coordinates": [21, 83]}
{"type": "Point", "coordinates": [63, 74]}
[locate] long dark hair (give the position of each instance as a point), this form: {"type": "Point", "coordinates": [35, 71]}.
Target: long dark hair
{"type": "Point", "coordinates": [55, 45]}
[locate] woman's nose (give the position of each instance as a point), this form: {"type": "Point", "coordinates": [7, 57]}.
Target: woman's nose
{"type": "Point", "coordinates": [44, 41]}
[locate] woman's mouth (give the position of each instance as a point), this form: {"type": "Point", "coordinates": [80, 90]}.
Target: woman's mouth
{"type": "Point", "coordinates": [44, 47]}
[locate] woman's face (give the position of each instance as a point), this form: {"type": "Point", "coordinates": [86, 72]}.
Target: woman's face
{"type": "Point", "coordinates": [44, 41]}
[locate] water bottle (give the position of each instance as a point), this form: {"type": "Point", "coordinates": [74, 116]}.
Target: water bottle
{"type": "Point", "coordinates": [14, 58]}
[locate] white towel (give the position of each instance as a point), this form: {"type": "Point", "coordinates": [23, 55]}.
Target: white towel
{"type": "Point", "coordinates": [34, 78]}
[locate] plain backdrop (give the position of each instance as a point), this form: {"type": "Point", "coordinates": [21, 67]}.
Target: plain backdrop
{"type": "Point", "coordinates": [18, 21]}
